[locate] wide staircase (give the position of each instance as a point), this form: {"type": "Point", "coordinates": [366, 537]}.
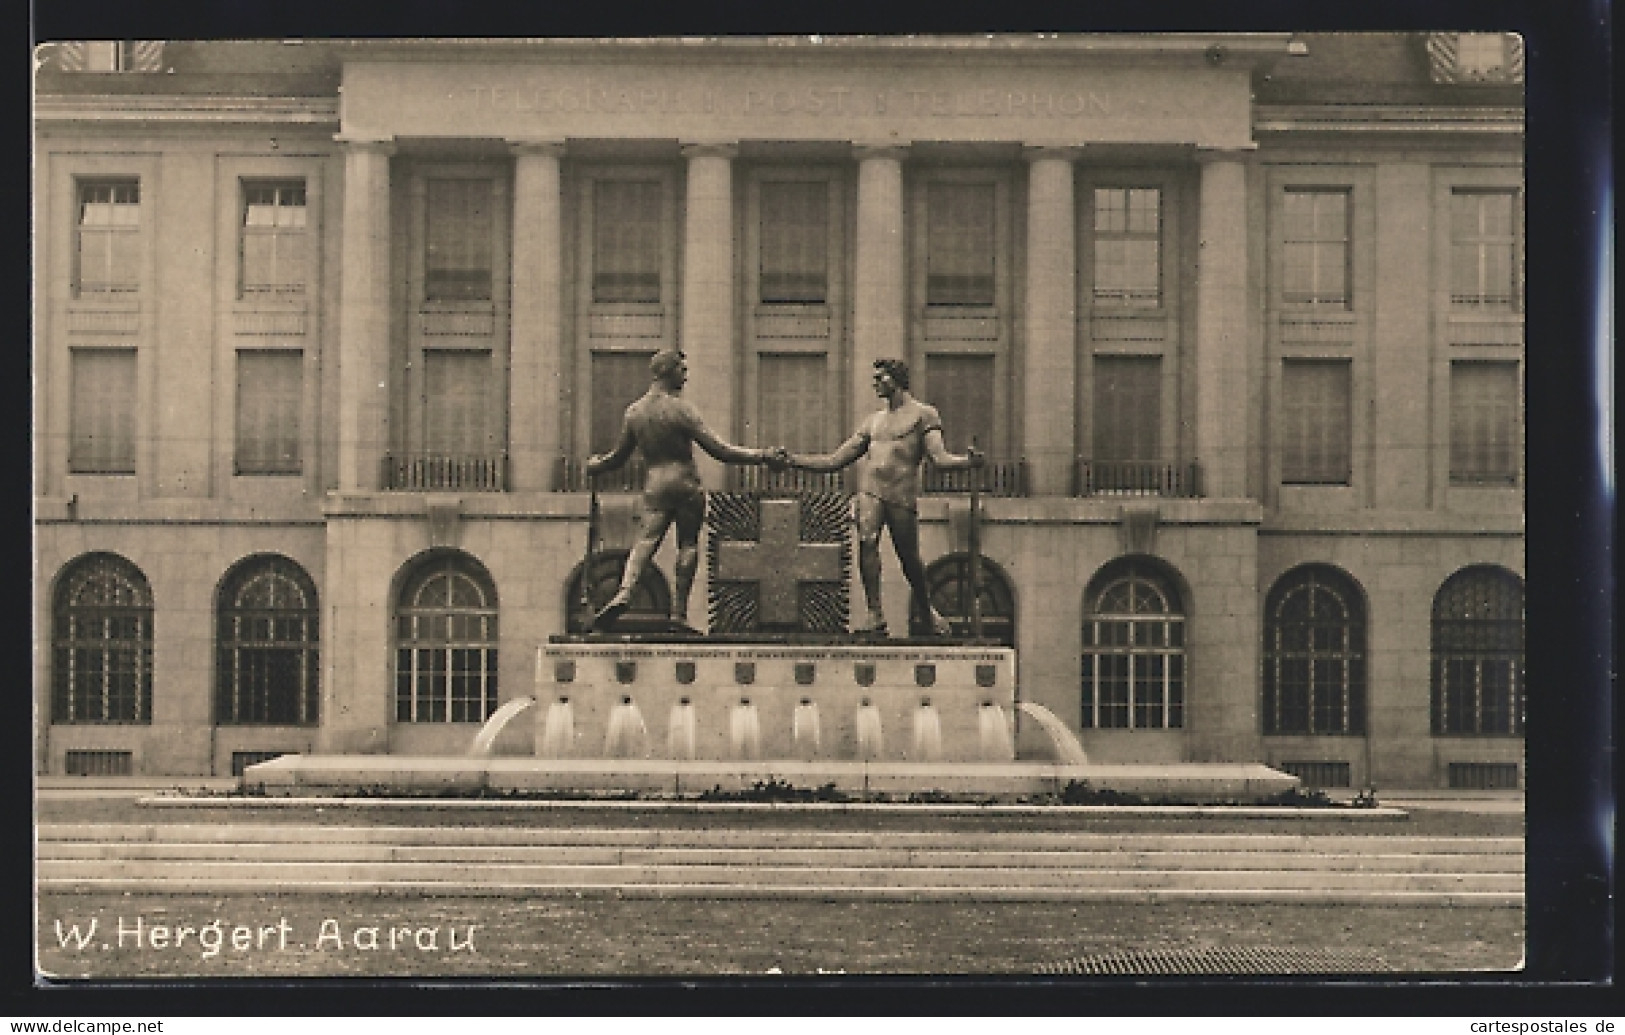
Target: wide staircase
{"type": "Point", "coordinates": [246, 857]}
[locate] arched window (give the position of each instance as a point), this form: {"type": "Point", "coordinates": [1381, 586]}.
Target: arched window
{"type": "Point", "coordinates": [446, 642]}
{"type": "Point", "coordinates": [1314, 654]}
{"type": "Point", "coordinates": [1478, 654]}
{"type": "Point", "coordinates": [651, 599]}
{"type": "Point", "coordinates": [950, 588]}
{"type": "Point", "coordinates": [1133, 649]}
{"type": "Point", "coordinates": [101, 643]}
{"type": "Point", "coordinates": [266, 652]}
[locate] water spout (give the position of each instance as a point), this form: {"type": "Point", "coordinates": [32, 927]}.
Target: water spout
{"type": "Point", "coordinates": [927, 733]}
{"type": "Point", "coordinates": [485, 739]}
{"type": "Point", "coordinates": [627, 736]}
{"type": "Point", "coordinates": [993, 734]}
{"type": "Point", "coordinates": [1067, 748]}
{"type": "Point", "coordinates": [870, 738]}
{"type": "Point", "coordinates": [558, 730]}
{"type": "Point", "coordinates": [680, 734]}
{"type": "Point", "coordinates": [744, 730]}
{"type": "Point", "coordinates": [804, 730]}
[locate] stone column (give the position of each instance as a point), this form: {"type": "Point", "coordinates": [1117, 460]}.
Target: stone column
{"type": "Point", "coordinates": [1049, 384]}
{"type": "Point", "coordinates": [364, 315]}
{"type": "Point", "coordinates": [706, 329]}
{"type": "Point", "coordinates": [1221, 324]}
{"type": "Point", "coordinates": [538, 306]}
{"type": "Point", "coordinates": [879, 304]}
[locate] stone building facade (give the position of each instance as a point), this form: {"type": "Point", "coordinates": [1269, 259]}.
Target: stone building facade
{"type": "Point", "coordinates": [324, 330]}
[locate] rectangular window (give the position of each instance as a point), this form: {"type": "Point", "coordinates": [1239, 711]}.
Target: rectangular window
{"type": "Point", "coordinates": [102, 412]}
{"type": "Point", "coordinates": [961, 388]}
{"type": "Point", "coordinates": [626, 240]}
{"type": "Point", "coordinates": [273, 240]}
{"type": "Point", "coordinates": [458, 264]}
{"type": "Point", "coordinates": [109, 238]}
{"type": "Point", "coordinates": [795, 242]}
{"type": "Point", "coordinates": [1128, 408]}
{"type": "Point", "coordinates": [618, 378]}
{"type": "Point", "coordinates": [1484, 423]}
{"type": "Point", "coordinates": [1484, 249]}
{"type": "Point", "coordinates": [457, 401]}
{"type": "Point", "coordinates": [794, 401]}
{"type": "Point", "coordinates": [1315, 247]}
{"type": "Point", "coordinates": [1128, 246]}
{"type": "Point", "coordinates": [960, 244]}
{"type": "Point", "coordinates": [1316, 431]}
{"type": "Point", "coordinates": [270, 398]}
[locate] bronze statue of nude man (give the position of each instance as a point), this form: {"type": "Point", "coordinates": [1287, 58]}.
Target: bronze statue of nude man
{"type": "Point", "coordinates": [894, 439]}
{"type": "Point", "coordinates": [663, 426]}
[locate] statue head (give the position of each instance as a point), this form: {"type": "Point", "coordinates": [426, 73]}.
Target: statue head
{"type": "Point", "coordinates": [669, 368]}
{"type": "Point", "coordinates": [895, 369]}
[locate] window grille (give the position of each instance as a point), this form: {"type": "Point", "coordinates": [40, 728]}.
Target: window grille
{"type": "Point", "coordinates": [949, 582]}
{"type": "Point", "coordinates": [273, 243]}
{"type": "Point", "coordinates": [96, 762]}
{"type": "Point", "coordinates": [1128, 246]}
{"type": "Point", "coordinates": [1485, 423]}
{"type": "Point", "coordinates": [1316, 418]}
{"type": "Point", "coordinates": [1133, 651]}
{"type": "Point", "coordinates": [1128, 408]}
{"type": "Point", "coordinates": [457, 266]}
{"type": "Point", "coordinates": [794, 242]}
{"type": "Point", "coordinates": [1478, 654]}
{"type": "Point", "coordinates": [793, 401]}
{"type": "Point", "coordinates": [102, 643]}
{"type": "Point", "coordinates": [626, 240]}
{"type": "Point", "coordinates": [1319, 774]}
{"type": "Point", "coordinates": [268, 646]}
{"type": "Point", "coordinates": [1482, 776]}
{"type": "Point", "coordinates": [270, 400]}
{"type": "Point", "coordinates": [456, 402]}
{"type": "Point", "coordinates": [446, 643]}
{"type": "Point", "coordinates": [960, 244]}
{"type": "Point", "coordinates": [1314, 655]}
{"type": "Point", "coordinates": [102, 411]}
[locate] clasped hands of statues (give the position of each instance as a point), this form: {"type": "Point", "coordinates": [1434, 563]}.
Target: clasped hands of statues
{"type": "Point", "coordinates": [777, 458]}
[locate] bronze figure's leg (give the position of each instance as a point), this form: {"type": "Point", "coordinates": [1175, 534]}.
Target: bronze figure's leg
{"type": "Point", "coordinates": [690, 515]}
{"type": "Point", "coordinates": [870, 515]}
{"type": "Point", "coordinates": [905, 539]}
{"type": "Point", "coordinates": [654, 530]}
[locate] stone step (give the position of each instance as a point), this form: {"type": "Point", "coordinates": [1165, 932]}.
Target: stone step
{"type": "Point", "coordinates": [276, 874]}
{"type": "Point", "coordinates": [1106, 857]}
{"type": "Point", "coordinates": [823, 893]}
{"type": "Point", "coordinates": [269, 833]}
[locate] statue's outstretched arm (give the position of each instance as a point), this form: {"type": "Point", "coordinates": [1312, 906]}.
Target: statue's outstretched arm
{"type": "Point", "coordinates": [615, 457]}
{"type": "Point", "coordinates": [849, 451]}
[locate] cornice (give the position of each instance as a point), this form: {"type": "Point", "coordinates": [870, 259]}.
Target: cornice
{"type": "Point", "coordinates": [105, 109]}
{"type": "Point", "coordinates": [1382, 118]}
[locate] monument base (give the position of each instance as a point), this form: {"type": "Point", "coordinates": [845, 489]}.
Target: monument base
{"type": "Point", "coordinates": [371, 775]}
{"type": "Point", "coordinates": [825, 698]}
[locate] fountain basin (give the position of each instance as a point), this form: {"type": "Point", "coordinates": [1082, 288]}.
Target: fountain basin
{"type": "Point", "coordinates": [338, 775]}
{"type": "Point", "coordinates": [749, 701]}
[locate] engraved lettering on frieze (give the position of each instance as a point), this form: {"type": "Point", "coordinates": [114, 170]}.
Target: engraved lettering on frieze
{"type": "Point", "coordinates": [836, 101]}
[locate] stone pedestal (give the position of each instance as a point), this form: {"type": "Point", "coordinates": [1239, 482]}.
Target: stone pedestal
{"type": "Point", "coordinates": [706, 701]}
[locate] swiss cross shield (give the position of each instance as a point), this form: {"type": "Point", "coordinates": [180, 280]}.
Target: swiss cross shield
{"type": "Point", "coordinates": [779, 564]}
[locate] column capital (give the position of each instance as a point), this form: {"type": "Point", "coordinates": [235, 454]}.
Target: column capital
{"type": "Point", "coordinates": [366, 145]}
{"type": "Point", "coordinates": [1241, 153]}
{"type": "Point", "coordinates": [536, 148]}
{"type": "Point", "coordinates": [1051, 152]}
{"type": "Point", "coordinates": [867, 152]}
{"type": "Point", "coordinates": [705, 149]}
